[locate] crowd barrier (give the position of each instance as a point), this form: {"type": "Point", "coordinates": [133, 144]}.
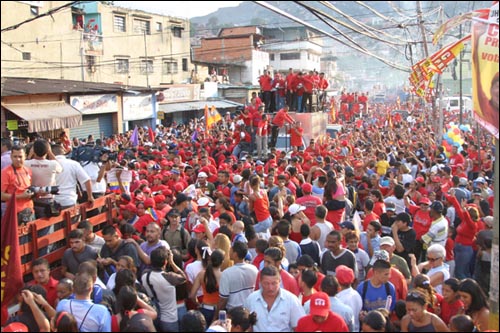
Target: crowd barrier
{"type": "Point", "coordinates": [56, 241]}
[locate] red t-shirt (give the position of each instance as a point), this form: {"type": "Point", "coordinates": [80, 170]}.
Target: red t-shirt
{"type": "Point", "coordinates": [448, 310]}
{"type": "Point", "coordinates": [51, 289]}
{"type": "Point", "coordinates": [421, 221]}
{"type": "Point", "coordinates": [333, 323]}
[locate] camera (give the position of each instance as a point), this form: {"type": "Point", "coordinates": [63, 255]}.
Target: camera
{"type": "Point", "coordinates": [44, 189]}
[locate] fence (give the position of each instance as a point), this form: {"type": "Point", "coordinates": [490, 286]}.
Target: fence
{"type": "Point", "coordinates": [56, 241]}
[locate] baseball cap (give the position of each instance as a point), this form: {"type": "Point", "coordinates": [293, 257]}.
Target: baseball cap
{"type": "Point", "coordinates": [420, 180]}
{"type": "Point", "coordinates": [488, 220]}
{"type": "Point", "coordinates": [379, 255]}
{"type": "Point", "coordinates": [295, 208]}
{"type": "Point", "coordinates": [446, 169]}
{"type": "Point", "coordinates": [15, 327]}
{"type": "Point", "coordinates": [437, 206]}
{"type": "Point", "coordinates": [199, 228]}
{"type": "Point", "coordinates": [424, 201]}
{"type": "Point", "coordinates": [181, 197]}
{"type": "Point", "coordinates": [149, 202]}
{"type": "Point", "coordinates": [159, 198]}
{"type": "Point", "coordinates": [237, 179]}
{"type": "Point", "coordinates": [173, 212]}
{"type": "Point", "coordinates": [344, 274]}
{"type": "Point", "coordinates": [319, 304]}
{"type": "Point", "coordinates": [204, 201]}
{"type": "Point", "coordinates": [480, 180]}
{"type": "Point", "coordinates": [390, 206]}
{"type": "Point", "coordinates": [463, 181]}
{"type": "Point", "coordinates": [348, 225]}
{"type": "Point", "coordinates": [125, 197]}
{"type": "Point", "coordinates": [259, 162]}
{"type": "Point", "coordinates": [476, 191]}
{"type": "Point", "coordinates": [130, 207]}
{"type": "Point", "coordinates": [386, 240]}
{"type": "Point", "coordinates": [202, 175]}
{"type": "Point", "coordinates": [306, 187]}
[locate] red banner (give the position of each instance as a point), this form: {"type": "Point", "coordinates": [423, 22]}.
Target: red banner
{"type": "Point", "coordinates": [12, 280]}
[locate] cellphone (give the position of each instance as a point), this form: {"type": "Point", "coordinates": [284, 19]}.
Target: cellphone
{"type": "Point", "coordinates": [222, 316]}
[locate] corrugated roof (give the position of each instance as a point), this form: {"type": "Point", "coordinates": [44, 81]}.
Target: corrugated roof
{"type": "Point", "coordinates": [198, 105]}
{"type": "Point", "coordinates": [17, 86]}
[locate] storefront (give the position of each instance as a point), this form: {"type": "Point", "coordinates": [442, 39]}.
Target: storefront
{"type": "Point", "coordinates": [47, 119]}
{"type": "Point", "coordinates": [99, 115]}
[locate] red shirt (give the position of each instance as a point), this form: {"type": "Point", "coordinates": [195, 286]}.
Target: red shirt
{"type": "Point", "coordinates": [296, 134]}
{"type": "Point", "coordinates": [51, 289]}
{"type": "Point", "coordinates": [448, 310]}
{"type": "Point", "coordinates": [333, 323]}
{"type": "Point", "coordinates": [421, 221]}
{"type": "Point", "coordinates": [281, 117]}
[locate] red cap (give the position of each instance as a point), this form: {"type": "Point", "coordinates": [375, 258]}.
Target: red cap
{"type": "Point", "coordinates": [150, 202]}
{"type": "Point", "coordinates": [424, 201]}
{"type": "Point", "coordinates": [159, 198]}
{"type": "Point", "coordinates": [344, 274]}
{"type": "Point", "coordinates": [319, 304]}
{"type": "Point", "coordinates": [420, 180]}
{"type": "Point", "coordinates": [15, 327]}
{"type": "Point", "coordinates": [130, 207]}
{"type": "Point", "coordinates": [436, 179]}
{"type": "Point", "coordinates": [178, 187]}
{"type": "Point", "coordinates": [146, 190]}
{"type": "Point", "coordinates": [199, 228]}
{"type": "Point", "coordinates": [306, 187]}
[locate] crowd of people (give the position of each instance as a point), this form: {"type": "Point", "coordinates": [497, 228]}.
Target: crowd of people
{"type": "Point", "coordinates": [354, 233]}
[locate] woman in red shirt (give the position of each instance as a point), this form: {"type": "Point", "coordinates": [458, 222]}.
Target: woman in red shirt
{"type": "Point", "coordinates": [259, 203]}
{"type": "Point", "coordinates": [451, 304]}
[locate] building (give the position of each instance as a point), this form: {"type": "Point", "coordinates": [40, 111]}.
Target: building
{"type": "Point", "coordinates": [233, 56]}
{"type": "Point", "coordinates": [292, 46]}
{"type": "Point", "coordinates": [92, 41]}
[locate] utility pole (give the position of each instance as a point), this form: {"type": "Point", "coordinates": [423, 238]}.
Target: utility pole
{"type": "Point", "coordinates": [422, 29]}
{"type": "Point", "coordinates": [493, 322]}
{"type": "Point", "coordinates": [82, 70]}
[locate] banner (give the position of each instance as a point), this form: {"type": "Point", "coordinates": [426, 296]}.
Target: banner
{"type": "Point", "coordinates": [12, 279]}
{"type": "Point", "coordinates": [485, 38]}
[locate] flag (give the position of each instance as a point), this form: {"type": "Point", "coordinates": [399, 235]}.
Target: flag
{"type": "Point", "coordinates": [389, 119]}
{"type": "Point", "coordinates": [134, 138]}
{"type": "Point", "coordinates": [442, 58]}
{"type": "Point", "coordinates": [12, 279]}
{"type": "Point", "coordinates": [333, 111]}
{"type": "Point", "coordinates": [151, 135]}
{"type": "Point", "coordinates": [211, 117]}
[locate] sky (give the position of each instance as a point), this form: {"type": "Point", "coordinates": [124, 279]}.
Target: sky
{"type": "Point", "coordinates": [184, 9]}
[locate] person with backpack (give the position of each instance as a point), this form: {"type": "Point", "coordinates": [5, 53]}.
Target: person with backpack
{"type": "Point", "coordinates": [377, 292]}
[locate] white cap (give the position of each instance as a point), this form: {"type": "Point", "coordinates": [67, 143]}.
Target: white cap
{"type": "Point", "coordinates": [204, 201]}
{"type": "Point", "coordinates": [387, 240]}
{"type": "Point", "coordinates": [295, 208]}
{"type": "Point", "coordinates": [237, 179]}
{"type": "Point", "coordinates": [202, 175]}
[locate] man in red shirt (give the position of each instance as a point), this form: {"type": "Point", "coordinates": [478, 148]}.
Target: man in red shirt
{"type": "Point", "coordinates": [265, 82]}
{"type": "Point", "coordinates": [278, 122]}
{"type": "Point", "coordinates": [41, 274]}
{"type": "Point", "coordinates": [309, 201]}
{"type": "Point", "coordinates": [296, 134]}
{"type": "Point", "coordinates": [321, 318]}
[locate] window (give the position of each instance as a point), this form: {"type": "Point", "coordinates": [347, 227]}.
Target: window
{"type": "Point", "coordinates": [170, 66]}
{"type": "Point", "coordinates": [159, 26]}
{"type": "Point", "coordinates": [271, 57]}
{"type": "Point", "coordinates": [146, 66]}
{"type": "Point", "coordinates": [142, 26]}
{"type": "Point", "coordinates": [119, 23]}
{"type": "Point", "coordinates": [177, 31]}
{"type": "Point", "coordinates": [26, 56]}
{"type": "Point", "coordinates": [184, 64]}
{"type": "Point", "coordinates": [121, 65]}
{"type": "Point", "coordinates": [290, 56]}
{"type": "Point", "coordinates": [91, 63]}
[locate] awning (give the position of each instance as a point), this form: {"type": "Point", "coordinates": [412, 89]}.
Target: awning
{"type": "Point", "coordinates": [198, 105]}
{"type": "Point", "coordinates": [46, 116]}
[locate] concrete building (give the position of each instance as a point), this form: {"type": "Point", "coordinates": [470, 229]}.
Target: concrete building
{"type": "Point", "coordinates": [92, 41]}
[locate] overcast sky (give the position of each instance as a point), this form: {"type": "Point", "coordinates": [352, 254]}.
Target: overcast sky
{"type": "Point", "coordinates": [182, 9]}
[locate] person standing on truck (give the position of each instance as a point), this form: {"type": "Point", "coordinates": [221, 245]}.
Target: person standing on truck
{"type": "Point", "coordinates": [296, 135]}
{"type": "Point", "coordinates": [278, 122]}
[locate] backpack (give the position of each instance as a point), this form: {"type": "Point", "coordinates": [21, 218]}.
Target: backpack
{"type": "Point", "coordinates": [154, 302]}
{"type": "Point", "coordinates": [365, 289]}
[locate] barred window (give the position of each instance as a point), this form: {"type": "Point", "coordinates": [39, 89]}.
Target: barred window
{"type": "Point", "coordinates": [119, 23]}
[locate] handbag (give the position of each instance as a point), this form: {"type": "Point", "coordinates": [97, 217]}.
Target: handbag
{"type": "Point", "coordinates": [46, 208]}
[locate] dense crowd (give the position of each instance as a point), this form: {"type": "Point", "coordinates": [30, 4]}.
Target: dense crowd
{"type": "Point", "coordinates": [357, 232]}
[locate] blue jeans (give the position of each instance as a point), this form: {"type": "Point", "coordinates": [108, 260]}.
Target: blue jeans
{"type": "Point", "coordinates": [463, 256]}
{"type": "Point", "coordinates": [169, 327]}
{"type": "Point", "coordinates": [263, 226]}
{"type": "Point", "coordinates": [181, 311]}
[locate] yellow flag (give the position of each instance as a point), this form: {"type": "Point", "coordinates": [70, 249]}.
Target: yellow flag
{"type": "Point", "coordinates": [211, 117]}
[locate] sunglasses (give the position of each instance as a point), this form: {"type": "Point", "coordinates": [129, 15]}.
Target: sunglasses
{"type": "Point", "coordinates": [433, 259]}
{"type": "Point", "coordinates": [414, 295]}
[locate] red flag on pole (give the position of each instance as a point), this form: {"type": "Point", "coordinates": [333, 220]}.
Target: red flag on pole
{"type": "Point", "coordinates": [12, 279]}
{"type": "Point", "coordinates": [151, 135]}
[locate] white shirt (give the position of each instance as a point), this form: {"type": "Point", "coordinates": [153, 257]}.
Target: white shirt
{"type": "Point", "coordinates": [192, 271]}
{"type": "Point", "coordinates": [44, 171]}
{"type": "Point", "coordinates": [352, 299]}
{"type": "Point", "coordinates": [72, 174]}
{"type": "Point", "coordinates": [324, 230]}
{"type": "Point", "coordinates": [283, 316]}
{"type": "Point", "coordinates": [237, 283]}
{"type": "Point", "coordinates": [92, 169]}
